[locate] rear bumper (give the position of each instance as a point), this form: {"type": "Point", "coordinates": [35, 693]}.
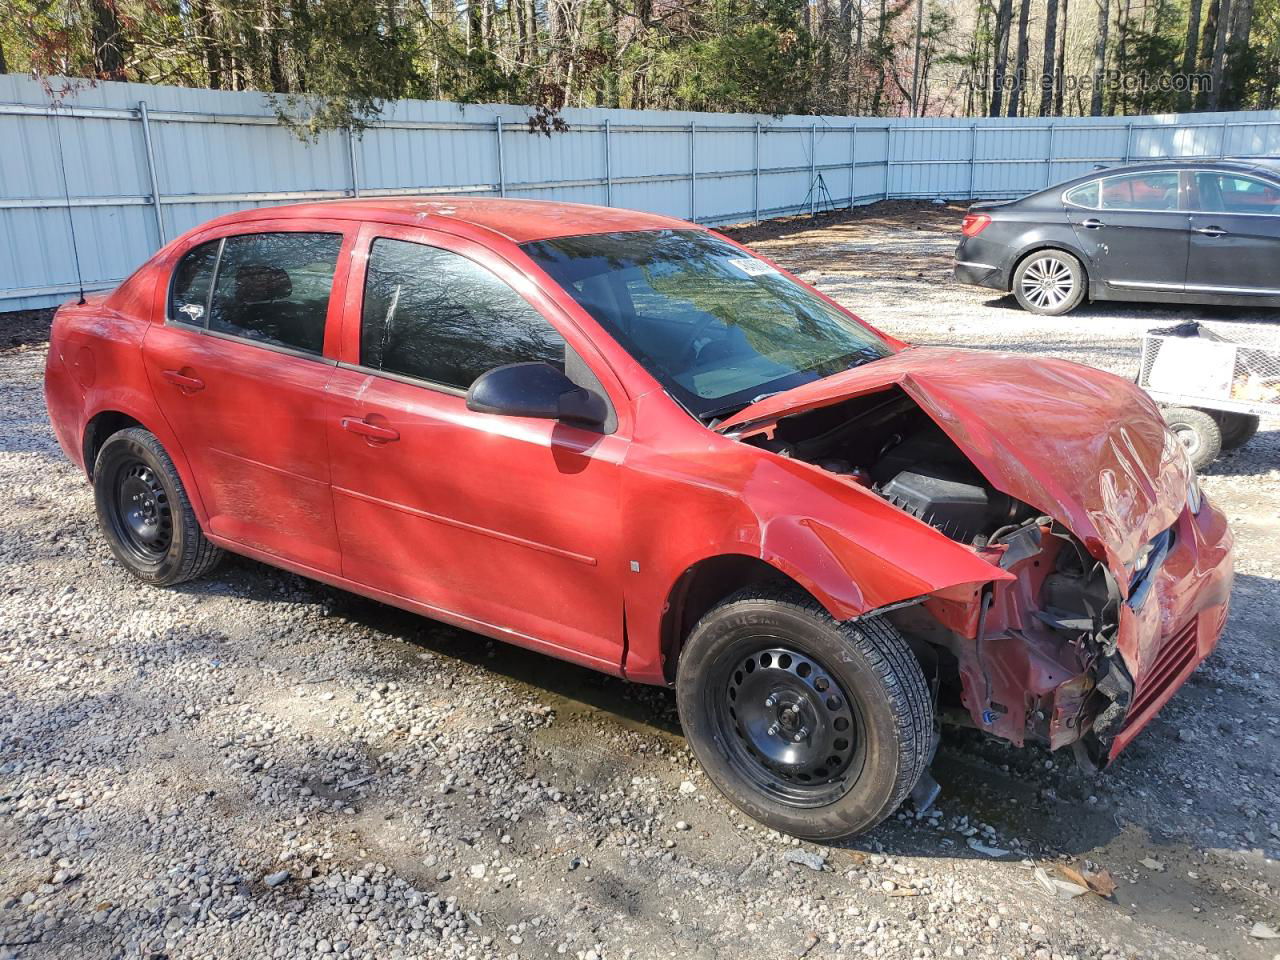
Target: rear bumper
{"type": "Point", "coordinates": [1179, 622]}
{"type": "Point", "coordinates": [980, 274]}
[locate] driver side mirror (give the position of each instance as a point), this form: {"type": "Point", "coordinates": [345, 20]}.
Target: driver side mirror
{"type": "Point", "coordinates": [536, 390]}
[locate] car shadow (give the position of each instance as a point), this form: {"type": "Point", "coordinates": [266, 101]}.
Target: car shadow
{"type": "Point", "coordinates": [1036, 804]}
{"type": "Point", "coordinates": [1160, 313]}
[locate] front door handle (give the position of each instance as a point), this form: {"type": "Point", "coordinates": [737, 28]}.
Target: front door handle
{"type": "Point", "coordinates": [1093, 223]}
{"type": "Point", "coordinates": [370, 430]}
{"type": "Point", "coordinates": [1211, 231]}
{"type": "Point", "coordinates": [182, 380]}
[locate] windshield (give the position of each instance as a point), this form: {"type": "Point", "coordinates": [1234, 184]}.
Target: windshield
{"type": "Point", "coordinates": [716, 326]}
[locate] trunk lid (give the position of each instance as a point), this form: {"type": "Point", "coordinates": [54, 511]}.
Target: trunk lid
{"type": "Point", "coordinates": [1083, 446]}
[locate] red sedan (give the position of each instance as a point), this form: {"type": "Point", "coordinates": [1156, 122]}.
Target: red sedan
{"type": "Point", "coordinates": [627, 441]}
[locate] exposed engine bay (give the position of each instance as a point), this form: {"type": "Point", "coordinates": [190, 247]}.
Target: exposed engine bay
{"type": "Point", "coordinates": [887, 443]}
{"type": "Point", "coordinates": [1049, 633]}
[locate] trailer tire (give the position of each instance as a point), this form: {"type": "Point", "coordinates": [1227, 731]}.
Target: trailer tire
{"type": "Point", "coordinates": [1199, 433]}
{"type": "Point", "coordinates": [1237, 429]}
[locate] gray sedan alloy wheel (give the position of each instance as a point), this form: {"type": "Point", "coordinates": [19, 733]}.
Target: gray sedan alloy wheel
{"type": "Point", "coordinates": [1050, 283]}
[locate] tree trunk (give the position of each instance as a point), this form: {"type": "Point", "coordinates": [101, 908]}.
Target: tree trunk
{"type": "Point", "coordinates": [1047, 72]}
{"type": "Point", "coordinates": [880, 60]}
{"type": "Point", "coordinates": [1100, 56]}
{"type": "Point", "coordinates": [1219, 50]}
{"type": "Point", "coordinates": [108, 57]}
{"type": "Point", "coordinates": [1003, 18]}
{"type": "Point", "coordinates": [1020, 68]}
{"type": "Point", "coordinates": [1120, 98]}
{"type": "Point", "coordinates": [1060, 74]}
{"type": "Point", "coordinates": [1237, 49]}
{"type": "Point", "coordinates": [1190, 60]}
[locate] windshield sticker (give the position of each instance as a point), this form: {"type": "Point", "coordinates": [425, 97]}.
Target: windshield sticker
{"type": "Point", "coordinates": [751, 266]}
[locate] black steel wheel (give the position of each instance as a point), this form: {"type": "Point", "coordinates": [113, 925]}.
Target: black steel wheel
{"type": "Point", "coordinates": [790, 727]}
{"type": "Point", "coordinates": [144, 511]}
{"type": "Point", "coordinates": [814, 727]}
{"type": "Point", "coordinates": [140, 514]}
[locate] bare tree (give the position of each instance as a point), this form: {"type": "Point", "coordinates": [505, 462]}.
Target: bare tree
{"type": "Point", "coordinates": [1189, 58]}
{"type": "Point", "coordinates": [1020, 68]}
{"type": "Point", "coordinates": [1048, 72]}
{"type": "Point", "coordinates": [1223, 26]}
{"type": "Point", "coordinates": [1003, 17]}
{"type": "Point", "coordinates": [1059, 81]}
{"type": "Point", "coordinates": [1100, 57]}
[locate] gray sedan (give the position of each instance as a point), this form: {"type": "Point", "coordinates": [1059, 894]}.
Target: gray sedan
{"type": "Point", "coordinates": [1186, 231]}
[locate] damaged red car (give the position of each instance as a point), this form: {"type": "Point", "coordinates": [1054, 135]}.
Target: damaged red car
{"type": "Point", "coordinates": [627, 441]}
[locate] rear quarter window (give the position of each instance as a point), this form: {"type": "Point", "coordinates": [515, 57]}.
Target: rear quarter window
{"type": "Point", "coordinates": [1085, 195]}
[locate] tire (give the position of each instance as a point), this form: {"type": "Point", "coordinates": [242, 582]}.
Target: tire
{"type": "Point", "coordinates": [144, 512]}
{"type": "Point", "coordinates": [766, 655]}
{"type": "Point", "coordinates": [1237, 428]}
{"type": "Point", "coordinates": [1199, 432]}
{"type": "Point", "coordinates": [1049, 282]}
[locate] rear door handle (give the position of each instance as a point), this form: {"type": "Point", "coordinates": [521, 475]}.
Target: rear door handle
{"type": "Point", "coordinates": [1211, 231]}
{"type": "Point", "coordinates": [182, 380]}
{"type": "Point", "coordinates": [370, 430]}
{"type": "Point", "coordinates": [1093, 223]}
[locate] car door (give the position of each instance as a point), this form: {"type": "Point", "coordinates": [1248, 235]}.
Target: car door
{"type": "Point", "coordinates": [1235, 235]}
{"type": "Point", "coordinates": [503, 523]}
{"type": "Point", "coordinates": [1134, 230]}
{"type": "Point", "coordinates": [238, 368]}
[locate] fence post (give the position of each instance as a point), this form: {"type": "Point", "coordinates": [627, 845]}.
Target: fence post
{"type": "Point", "coordinates": [853, 162]}
{"type": "Point", "coordinates": [1222, 139]}
{"type": "Point", "coordinates": [693, 173]}
{"type": "Point", "coordinates": [1128, 141]}
{"type": "Point", "coordinates": [502, 170]}
{"type": "Point", "coordinates": [756, 180]}
{"type": "Point", "coordinates": [973, 154]}
{"type": "Point", "coordinates": [1048, 161]}
{"type": "Point", "coordinates": [355, 170]}
{"type": "Point", "coordinates": [888, 159]}
{"type": "Point", "coordinates": [813, 169]}
{"type": "Point", "coordinates": [151, 170]}
{"type": "Point", "coordinates": [608, 166]}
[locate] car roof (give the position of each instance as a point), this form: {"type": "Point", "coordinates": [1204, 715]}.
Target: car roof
{"type": "Point", "coordinates": [1239, 164]}
{"type": "Point", "coordinates": [520, 221]}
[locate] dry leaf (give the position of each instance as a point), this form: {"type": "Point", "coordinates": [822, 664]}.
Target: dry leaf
{"type": "Point", "coordinates": [1099, 881]}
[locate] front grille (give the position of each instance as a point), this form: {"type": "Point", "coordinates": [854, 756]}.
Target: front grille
{"type": "Point", "coordinates": [1178, 653]}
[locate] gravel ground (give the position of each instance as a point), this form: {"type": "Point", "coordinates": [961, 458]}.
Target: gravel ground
{"type": "Point", "coordinates": [256, 766]}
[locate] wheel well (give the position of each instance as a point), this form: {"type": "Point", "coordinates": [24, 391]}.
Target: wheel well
{"type": "Point", "coordinates": [703, 586]}
{"type": "Point", "coordinates": [1062, 248]}
{"type": "Point", "coordinates": [103, 425]}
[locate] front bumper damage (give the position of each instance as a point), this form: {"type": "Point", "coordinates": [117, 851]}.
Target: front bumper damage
{"type": "Point", "coordinates": [1060, 655]}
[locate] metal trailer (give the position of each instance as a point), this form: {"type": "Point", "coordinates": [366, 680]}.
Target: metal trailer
{"type": "Point", "coordinates": [1212, 390]}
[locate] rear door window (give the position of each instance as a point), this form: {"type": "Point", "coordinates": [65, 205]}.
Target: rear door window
{"type": "Point", "coordinates": [273, 288]}
{"type": "Point", "coordinates": [1141, 191]}
{"type": "Point", "coordinates": [1231, 193]}
{"type": "Point", "coordinates": [437, 316]}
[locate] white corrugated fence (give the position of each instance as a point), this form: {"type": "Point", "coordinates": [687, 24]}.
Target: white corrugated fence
{"type": "Point", "coordinates": [131, 166]}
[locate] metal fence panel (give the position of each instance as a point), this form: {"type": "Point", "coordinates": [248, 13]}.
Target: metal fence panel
{"type": "Point", "coordinates": [144, 164]}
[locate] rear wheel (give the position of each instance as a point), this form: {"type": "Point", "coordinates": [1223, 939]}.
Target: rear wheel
{"type": "Point", "coordinates": [1237, 428]}
{"type": "Point", "coordinates": [1049, 282]}
{"type": "Point", "coordinates": [144, 511]}
{"type": "Point", "coordinates": [1198, 432]}
{"type": "Point", "coordinates": [815, 728]}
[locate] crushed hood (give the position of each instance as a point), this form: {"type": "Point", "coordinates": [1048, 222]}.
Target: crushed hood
{"type": "Point", "coordinates": [1082, 446]}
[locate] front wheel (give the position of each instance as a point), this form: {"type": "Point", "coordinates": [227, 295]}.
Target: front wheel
{"type": "Point", "coordinates": [1049, 282]}
{"type": "Point", "coordinates": [816, 728]}
{"type": "Point", "coordinates": [144, 511]}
